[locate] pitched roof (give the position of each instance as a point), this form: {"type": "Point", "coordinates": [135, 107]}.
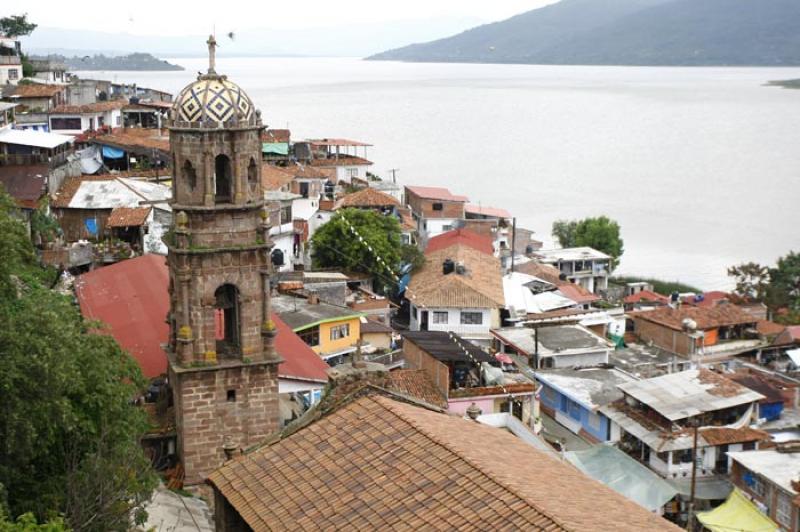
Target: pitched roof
{"type": "Point", "coordinates": [445, 347]}
{"type": "Point", "coordinates": [132, 298]}
{"type": "Point", "coordinates": [69, 187]}
{"type": "Point", "coordinates": [96, 107]}
{"type": "Point", "coordinates": [379, 463]}
{"type": "Point", "coordinates": [545, 272]}
{"type": "Point", "coordinates": [769, 328]}
{"type": "Point", "coordinates": [704, 317]}
{"type": "Point", "coordinates": [577, 293]}
{"type": "Point", "coordinates": [416, 383]}
{"type": "Point", "coordinates": [274, 177]}
{"type": "Point", "coordinates": [366, 197]}
{"type": "Point", "coordinates": [342, 160]}
{"type": "Point", "coordinates": [135, 138]}
{"type": "Point", "coordinates": [128, 216]}
{"type": "Point", "coordinates": [436, 193]}
{"type": "Point", "coordinates": [26, 184]}
{"type": "Point", "coordinates": [461, 236]}
{"type": "Point", "coordinates": [37, 90]}
{"type": "Point", "coordinates": [480, 287]}
{"type": "Point", "coordinates": [646, 295]}
{"type": "Point", "coordinates": [789, 336]}
{"type": "Point", "coordinates": [305, 171]}
{"type": "Point", "coordinates": [276, 135]}
{"type": "Point", "coordinates": [491, 212]}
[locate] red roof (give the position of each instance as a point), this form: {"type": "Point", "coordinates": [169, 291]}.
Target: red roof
{"type": "Point", "coordinates": [131, 298]}
{"type": "Point", "coordinates": [646, 295]}
{"type": "Point", "coordinates": [491, 212]}
{"type": "Point", "coordinates": [461, 236]}
{"type": "Point", "coordinates": [577, 293]}
{"type": "Point", "coordinates": [436, 193]}
{"type": "Point", "coordinates": [710, 299]}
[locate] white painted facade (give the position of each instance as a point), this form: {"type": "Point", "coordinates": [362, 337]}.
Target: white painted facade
{"type": "Point", "coordinates": [90, 121]}
{"type": "Point", "coordinates": [283, 239]}
{"type": "Point", "coordinates": [10, 74]}
{"type": "Point", "coordinates": [347, 173]}
{"type": "Point", "coordinates": [431, 227]}
{"type": "Point", "coordinates": [490, 319]}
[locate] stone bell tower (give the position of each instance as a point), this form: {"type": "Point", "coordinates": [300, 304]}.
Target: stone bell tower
{"type": "Point", "coordinates": [223, 368]}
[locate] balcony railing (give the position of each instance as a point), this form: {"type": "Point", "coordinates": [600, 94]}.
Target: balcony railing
{"type": "Point", "coordinates": [9, 60]}
{"type": "Point", "coordinates": [390, 360]}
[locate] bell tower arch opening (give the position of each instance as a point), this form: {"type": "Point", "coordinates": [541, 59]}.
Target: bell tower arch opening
{"type": "Point", "coordinates": [223, 178]}
{"type": "Point", "coordinates": [227, 320]}
{"type": "Point", "coordinates": [189, 175]}
{"type": "Point", "coordinates": [252, 174]}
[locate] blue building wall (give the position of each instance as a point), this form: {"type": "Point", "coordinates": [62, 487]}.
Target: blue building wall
{"type": "Point", "coordinates": [594, 423]}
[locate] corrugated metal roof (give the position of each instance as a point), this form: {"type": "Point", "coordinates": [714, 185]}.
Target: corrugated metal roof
{"type": "Point", "coordinates": [37, 139]}
{"type": "Point", "coordinates": [119, 192]}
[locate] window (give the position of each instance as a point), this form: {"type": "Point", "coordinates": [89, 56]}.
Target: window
{"type": "Point", "coordinates": [226, 319]}
{"type": "Point", "coordinates": [70, 124]}
{"type": "Point", "coordinates": [352, 172]}
{"type": "Point", "coordinates": [447, 228]}
{"type": "Point", "coordinates": [119, 120]}
{"type": "Point", "coordinates": [340, 331]}
{"type": "Point", "coordinates": [252, 174]}
{"type": "Point", "coordinates": [550, 395]}
{"type": "Point", "coordinates": [224, 179]}
{"type": "Point", "coordinates": [310, 336]}
{"type": "Point", "coordinates": [440, 317]}
{"type": "Point", "coordinates": [231, 396]}
{"type": "Point", "coordinates": [471, 318]}
{"type": "Point", "coordinates": [286, 214]}
{"type": "Point", "coordinates": [783, 510]}
{"type": "Point", "coordinates": [437, 207]}
{"type": "Point", "coordinates": [13, 74]}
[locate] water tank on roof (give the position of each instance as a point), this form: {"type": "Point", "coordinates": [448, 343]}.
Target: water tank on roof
{"type": "Point", "coordinates": [448, 266]}
{"type": "Point", "coordinates": [277, 257]}
{"type": "Point", "coordinates": [461, 269]}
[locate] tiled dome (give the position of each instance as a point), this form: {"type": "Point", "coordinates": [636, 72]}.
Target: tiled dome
{"type": "Point", "coordinates": [212, 99]}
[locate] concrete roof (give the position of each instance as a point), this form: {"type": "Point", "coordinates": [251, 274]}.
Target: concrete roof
{"type": "Point", "coordinates": [591, 387]}
{"type": "Point", "coordinates": [37, 139]}
{"type": "Point", "coordinates": [554, 341]}
{"type": "Point", "coordinates": [570, 254]}
{"type": "Point", "coordinates": [299, 314]}
{"type": "Point", "coordinates": [5, 106]}
{"type": "Point", "coordinates": [641, 360]}
{"type": "Point", "coordinates": [778, 468]}
{"type": "Point", "coordinates": [689, 393]}
{"type": "Point", "coordinates": [520, 300]}
{"type": "Point", "coordinates": [119, 192]}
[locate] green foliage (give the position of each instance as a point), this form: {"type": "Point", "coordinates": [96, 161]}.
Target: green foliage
{"type": "Point", "coordinates": [784, 283]}
{"type": "Point", "coordinates": [752, 281]}
{"type": "Point", "coordinates": [335, 246]}
{"type": "Point", "coordinates": [27, 67]}
{"type": "Point", "coordinates": [659, 285]}
{"type": "Point", "coordinates": [16, 25]}
{"type": "Point", "coordinates": [68, 432]}
{"type": "Point", "coordinates": [44, 224]}
{"type": "Point", "coordinates": [412, 255]}
{"type": "Point", "coordinates": [600, 233]}
{"type": "Point", "coordinates": [27, 523]}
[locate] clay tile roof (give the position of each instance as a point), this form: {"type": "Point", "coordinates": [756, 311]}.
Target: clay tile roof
{"type": "Point", "coordinates": [305, 171]}
{"type": "Point", "coordinates": [378, 463]}
{"type": "Point", "coordinates": [789, 336]}
{"type": "Point", "coordinates": [372, 326]}
{"type": "Point", "coordinates": [366, 197]}
{"type": "Point", "coordinates": [461, 236]}
{"type": "Point", "coordinates": [276, 135]}
{"type": "Point", "coordinates": [128, 217]}
{"type": "Point", "coordinates": [97, 107]}
{"type": "Point", "coordinates": [646, 295]}
{"type": "Point", "coordinates": [726, 436]}
{"type": "Point", "coordinates": [577, 293]}
{"type": "Point", "coordinates": [480, 287]}
{"type": "Point", "coordinates": [705, 317]}
{"type": "Point", "coordinates": [135, 138]}
{"type": "Point", "coordinates": [769, 328]}
{"type": "Point", "coordinates": [37, 90]}
{"type": "Point", "coordinates": [300, 362]}
{"type": "Point", "coordinates": [416, 383]}
{"type": "Point", "coordinates": [274, 177]}
{"type": "Point", "coordinates": [436, 193]}
{"type": "Point", "coordinates": [26, 184]}
{"type": "Point", "coordinates": [545, 272]}
{"type": "Point", "coordinates": [492, 212]}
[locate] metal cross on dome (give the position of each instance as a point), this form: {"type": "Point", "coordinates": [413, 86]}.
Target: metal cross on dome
{"type": "Point", "coordinates": [212, 50]}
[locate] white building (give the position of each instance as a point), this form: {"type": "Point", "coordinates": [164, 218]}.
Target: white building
{"type": "Point", "coordinates": [10, 61]}
{"type": "Point", "coordinates": [584, 266]}
{"type": "Point", "coordinates": [75, 119]}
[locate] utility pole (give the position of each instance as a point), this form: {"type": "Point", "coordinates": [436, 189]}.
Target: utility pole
{"type": "Point", "coordinates": [513, 241]}
{"type": "Point", "coordinates": [394, 171]}
{"type": "Point", "coordinates": [690, 520]}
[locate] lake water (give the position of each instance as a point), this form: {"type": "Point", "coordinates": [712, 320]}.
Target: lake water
{"type": "Point", "coordinates": [700, 166]}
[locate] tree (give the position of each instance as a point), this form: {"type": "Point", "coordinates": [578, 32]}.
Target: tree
{"type": "Point", "coordinates": [784, 284]}
{"type": "Point", "coordinates": [752, 281]}
{"type": "Point", "coordinates": [16, 25]}
{"type": "Point", "coordinates": [27, 523]}
{"type": "Point", "coordinates": [600, 233]}
{"type": "Point", "coordinates": [335, 246]}
{"type": "Point", "coordinates": [69, 435]}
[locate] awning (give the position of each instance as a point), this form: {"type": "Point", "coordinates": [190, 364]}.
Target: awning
{"type": "Point", "coordinates": [505, 359]}
{"type": "Point", "coordinates": [623, 474]}
{"type": "Point", "coordinates": [794, 354]}
{"type": "Point", "coordinates": [714, 489]}
{"type": "Point", "coordinates": [276, 148]}
{"type": "Point", "coordinates": [737, 513]}
{"type": "Point", "coordinates": [110, 152]}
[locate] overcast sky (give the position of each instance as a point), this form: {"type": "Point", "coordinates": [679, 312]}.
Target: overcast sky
{"type": "Point", "coordinates": [165, 17]}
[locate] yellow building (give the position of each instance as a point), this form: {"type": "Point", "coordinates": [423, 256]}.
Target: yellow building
{"type": "Point", "coordinates": [331, 331]}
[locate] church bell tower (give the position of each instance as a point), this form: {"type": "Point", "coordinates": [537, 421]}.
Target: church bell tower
{"type": "Point", "coordinates": [223, 368]}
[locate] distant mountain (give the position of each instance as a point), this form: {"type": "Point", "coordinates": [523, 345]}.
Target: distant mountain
{"type": "Point", "coordinates": [117, 62]}
{"type": "Point", "coordinates": [628, 32]}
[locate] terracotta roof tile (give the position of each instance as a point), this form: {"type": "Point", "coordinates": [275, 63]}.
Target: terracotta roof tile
{"type": "Point", "coordinates": [37, 90]}
{"type": "Point", "coordinates": [274, 177]}
{"type": "Point", "coordinates": [97, 107]}
{"type": "Point", "coordinates": [276, 135]}
{"type": "Point", "coordinates": [726, 436]}
{"type": "Point", "coordinates": [366, 197]}
{"type": "Point", "coordinates": [545, 272]}
{"type": "Point", "coordinates": [416, 383]}
{"type": "Point", "coordinates": [461, 236]}
{"type": "Point", "coordinates": [646, 295]}
{"type": "Point", "coordinates": [577, 293]}
{"type": "Point", "coordinates": [342, 160]}
{"type": "Point", "coordinates": [769, 328]}
{"type": "Point", "coordinates": [128, 216]}
{"type": "Point", "coordinates": [379, 463]}
{"type": "Point", "coordinates": [436, 193]}
{"type": "Point", "coordinates": [480, 287]}
{"type": "Point", "coordinates": [705, 317]}
{"type": "Point", "coordinates": [135, 138]}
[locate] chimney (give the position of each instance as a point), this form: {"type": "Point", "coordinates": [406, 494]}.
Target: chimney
{"type": "Point", "coordinates": [229, 447]}
{"type": "Point", "coordinates": [313, 299]}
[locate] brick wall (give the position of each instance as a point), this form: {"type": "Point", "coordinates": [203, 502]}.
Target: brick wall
{"type": "Point", "coordinates": [424, 207]}
{"type": "Point", "coordinates": [671, 340]}
{"type": "Point", "coordinates": [209, 413]}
